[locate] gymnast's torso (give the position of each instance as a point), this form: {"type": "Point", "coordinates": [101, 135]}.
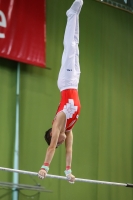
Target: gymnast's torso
{"type": "Point", "coordinates": [70, 105]}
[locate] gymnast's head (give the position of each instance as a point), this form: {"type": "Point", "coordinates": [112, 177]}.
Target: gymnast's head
{"type": "Point", "coordinates": [48, 136]}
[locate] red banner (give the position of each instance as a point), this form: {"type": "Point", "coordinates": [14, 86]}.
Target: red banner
{"type": "Point", "coordinates": [23, 31]}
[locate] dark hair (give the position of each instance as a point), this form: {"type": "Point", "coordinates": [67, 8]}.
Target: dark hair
{"type": "Point", "coordinates": [47, 136]}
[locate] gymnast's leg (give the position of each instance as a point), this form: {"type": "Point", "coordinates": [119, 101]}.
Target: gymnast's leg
{"type": "Point", "coordinates": [70, 69]}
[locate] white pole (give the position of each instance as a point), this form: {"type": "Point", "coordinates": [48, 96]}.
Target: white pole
{"type": "Point", "coordinates": [64, 178]}
{"type": "Point", "coordinates": [16, 145]}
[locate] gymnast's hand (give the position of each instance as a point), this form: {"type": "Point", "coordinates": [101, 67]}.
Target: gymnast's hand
{"type": "Point", "coordinates": [42, 173]}
{"type": "Point", "coordinates": [70, 178]}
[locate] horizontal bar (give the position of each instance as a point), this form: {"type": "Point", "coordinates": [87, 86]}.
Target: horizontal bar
{"type": "Point", "coordinates": [64, 178]}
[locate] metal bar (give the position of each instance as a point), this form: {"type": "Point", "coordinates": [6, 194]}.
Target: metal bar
{"type": "Point", "coordinates": [64, 178]}
{"type": "Point", "coordinates": [16, 144]}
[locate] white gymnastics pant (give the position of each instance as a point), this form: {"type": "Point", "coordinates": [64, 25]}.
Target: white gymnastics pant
{"type": "Point", "coordinates": [70, 68]}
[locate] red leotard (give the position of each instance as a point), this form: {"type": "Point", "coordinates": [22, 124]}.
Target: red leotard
{"type": "Point", "coordinates": [70, 105]}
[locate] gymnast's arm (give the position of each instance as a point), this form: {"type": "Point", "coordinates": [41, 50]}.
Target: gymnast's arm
{"type": "Point", "coordinates": [68, 145]}
{"type": "Point", "coordinates": [54, 139]}
{"type": "Point", "coordinates": [59, 122]}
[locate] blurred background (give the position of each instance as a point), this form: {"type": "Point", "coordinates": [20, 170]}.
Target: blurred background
{"type": "Point", "coordinates": [103, 136]}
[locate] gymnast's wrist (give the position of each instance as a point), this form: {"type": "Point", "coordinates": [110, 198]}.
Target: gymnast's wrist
{"type": "Point", "coordinates": [68, 172]}
{"type": "Point", "coordinates": [45, 167]}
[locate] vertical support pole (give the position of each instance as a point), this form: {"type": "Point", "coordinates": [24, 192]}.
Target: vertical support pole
{"type": "Point", "coordinates": [16, 144]}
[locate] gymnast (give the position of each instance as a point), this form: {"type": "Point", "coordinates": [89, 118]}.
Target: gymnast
{"type": "Point", "coordinates": [69, 108]}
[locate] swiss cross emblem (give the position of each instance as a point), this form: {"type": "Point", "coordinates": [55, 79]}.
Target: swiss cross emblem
{"type": "Point", "coordinates": [69, 109]}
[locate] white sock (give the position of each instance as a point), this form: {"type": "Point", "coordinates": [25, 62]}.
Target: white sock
{"type": "Point", "coordinates": [76, 6]}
